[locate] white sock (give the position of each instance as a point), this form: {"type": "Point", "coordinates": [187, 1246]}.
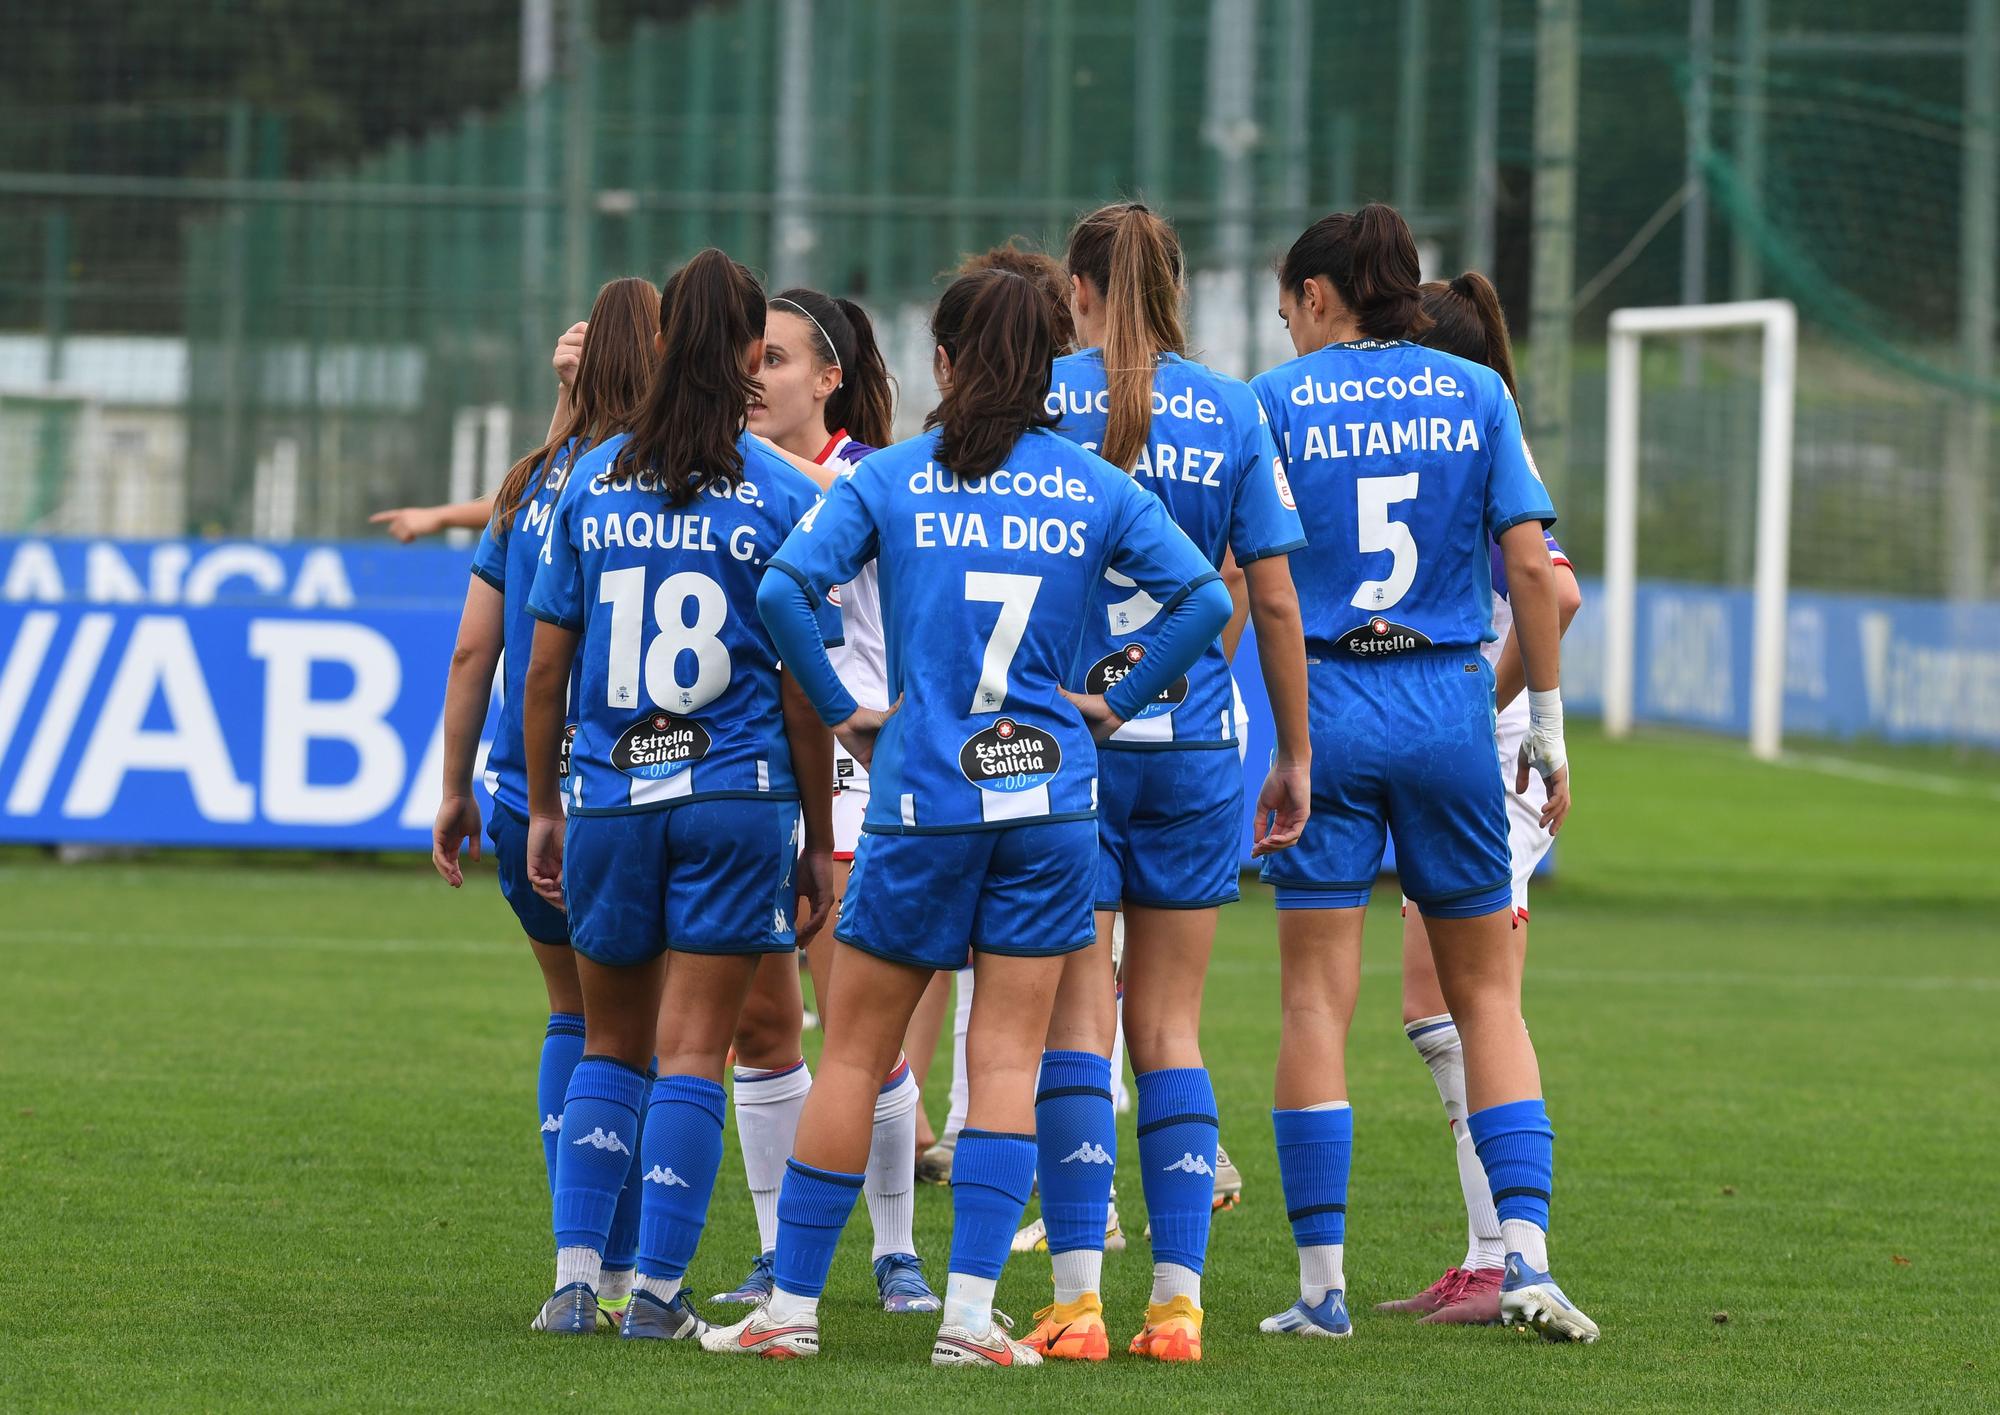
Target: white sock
{"type": "Point", "coordinates": [1319, 1272]}
{"type": "Point", "coordinates": [767, 1120]}
{"type": "Point", "coordinates": [1171, 1280]}
{"type": "Point", "coordinates": [578, 1265]}
{"type": "Point", "coordinates": [664, 1288]}
{"type": "Point", "coordinates": [968, 1303]}
{"type": "Point", "coordinates": [614, 1285]}
{"type": "Point", "coordinates": [892, 1167]}
{"type": "Point", "coordinates": [1436, 1041]}
{"type": "Point", "coordinates": [1483, 1248]}
{"type": "Point", "coordinates": [1527, 1239]}
{"type": "Point", "coordinates": [786, 1306]}
{"type": "Point", "coordinates": [1121, 1099]}
{"type": "Point", "coordinates": [1078, 1271]}
{"type": "Point", "coordinates": [961, 1092]}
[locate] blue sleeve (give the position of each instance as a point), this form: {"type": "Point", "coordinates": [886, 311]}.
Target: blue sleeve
{"type": "Point", "coordinates": [557, 595]}
{"type": "Point", "coordinates": [831, 542]}
{"type": "Point", "coordinates": [1157, 556]}
{"type": "Point", "coordinates": [1191, 625]}
{"type": "Point", "coordinates": [489, 561]}
{"type": "Point", "coordinates": [826, 613]}
{"type": "Point", "coordinates": [1264, 520]}
{"type": "Point", "coordinates": [1514, 490]}
{"type": "Point", "coordinates": [786, 606]}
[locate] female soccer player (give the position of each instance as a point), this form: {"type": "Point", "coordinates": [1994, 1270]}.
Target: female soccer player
{"type": "Point", "coordinates": [600, 396]}
{"type": "Point", "coordinates": [825, 402]}
{"type": "Point", "coordinates": [1405, 460]}
{"type": "Point", "coordinates": [1466, 320]}
{"type": "Point", "coordinates": [686, 775]}
{"type": "Point", "coordinates": [989, 533]}
{"type": "Point", "coordinates": [1170, 787]}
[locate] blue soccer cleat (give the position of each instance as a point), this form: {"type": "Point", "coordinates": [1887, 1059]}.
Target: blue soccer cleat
{"type": "Point", "coordinates": [899, 1278]}
{"type": "Point", "coordinates": [1328, 1318]}
{"type": "Point", "coordinates": [754, 1288]}
{"type": "Point", "coordinates": [571, 1312]}
{"type": "Point", "coordinates": [1532, 1300]}
{"type": "Point", "coordinates": [647, 1318]}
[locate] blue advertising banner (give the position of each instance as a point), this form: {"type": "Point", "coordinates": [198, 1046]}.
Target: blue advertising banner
{"type": "Point", "coordinates": [240, 694]}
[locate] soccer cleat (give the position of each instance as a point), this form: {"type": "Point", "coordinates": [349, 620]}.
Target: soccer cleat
{"type": "Point", "coordinates": [1034, 1237]}
{"type": "Point", "coordinates": [758, 1335]}
{"type": "Point", "coordinates": [955, 1346]}
{"type": "Point", "coordinates": [899, 1281]}
{"type": "Point", "coordinates": [1071, 1331]}
{"type": "Point", "coordinates": [1440, 1294]}
{"type": "Point", "coordinates": [1530, 1299]}
{"type": "Point", "coordinates": [647, 1318]}
{"type": "Point", "coordinates": [1228, 1181]}
{"type": "Point", "coordinates": [754, 1288]}
{"type": "Point", "coordinates": [1172, 1331]}
{"type": "Point", "coordinates": [611, 1315]}
{"type": "Point", "coordinates": [1476, 1305]}
{"type": "Point", "coordinates": [1328, 1317]}
{"type": "Point", "coordinates": [571, 1312]}
{"type": "Point", "coordinates": [934, 1165]}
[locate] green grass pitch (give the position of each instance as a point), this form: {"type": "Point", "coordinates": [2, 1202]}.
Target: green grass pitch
{"type": "Point", "coordinates": [267, 1139]}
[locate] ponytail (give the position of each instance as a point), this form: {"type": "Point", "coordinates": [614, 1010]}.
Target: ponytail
{"type": "Point", "coordinates": [711, 313]}
{"type": "Point", "coordinates": [1467, 320]}
{"type": "Point", "coordinates": [1369, 258]}
{"type": "Point", "coordinates": [1133, 258]}
{"type": "Point", "coordinates": [994, 328]}
{"type": "Point", "coordinates": [610, 381]}
{"type": "Point", "coordinates": [864, 402]}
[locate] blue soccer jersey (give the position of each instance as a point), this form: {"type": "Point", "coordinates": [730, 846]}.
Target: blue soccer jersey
{"type": "Point", "coordinates": [676, 687]}
{"type": "Point", "coordinates": [985, 588]}
{"type": "Point", "coordinates": [1404, 461]}
{"type": "Point", "coordinates": [506, 559]}
{"type": "Point", "coordinates": [1209, 456]}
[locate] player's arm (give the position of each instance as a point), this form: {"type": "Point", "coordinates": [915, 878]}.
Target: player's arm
{"type": "Point", "coordinates": [1508, 677]}
{"type": "Point", "coordinates": [1286, 798]}
{"type": "Point", "coordinates": [467, 690]}
{"type": "Point", "coordinates": [1531, 589]}
{"type": "Point", "coordinates": [408, 523]}
{"type": "Point", "coordinates": [1238, 585]}
{"type": "Point", "coordinates": [542, 702]}
{"type": "Point", "coordinates": [827, 547]}
{"type": "Point", "coordinates": [812, 765]}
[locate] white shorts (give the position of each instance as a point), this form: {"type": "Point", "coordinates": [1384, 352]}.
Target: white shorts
{"type": "Point", "coordinates": [1527, 842]}
{"type": "Point", "coordinates": [850, 802]}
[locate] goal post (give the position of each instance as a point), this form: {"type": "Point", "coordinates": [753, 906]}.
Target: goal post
{"type": "Point", "coordinates": [1778, 322]}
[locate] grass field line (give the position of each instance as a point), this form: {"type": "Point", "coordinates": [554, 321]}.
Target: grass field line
{"type": "Point", "coordinates": [461, 947]}
{"type": "Point", "coordinates": [1877, 775]}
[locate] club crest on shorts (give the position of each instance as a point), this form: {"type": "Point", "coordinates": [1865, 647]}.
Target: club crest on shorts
{"type": "Point", "coordinates": [1113, 667]}
{"type": "Point", "coordinates": [1380, 637]}
{"type": "Point", "coordinates": [1010, 756]}
{"type": "Point", "coordinates": [659, 744]}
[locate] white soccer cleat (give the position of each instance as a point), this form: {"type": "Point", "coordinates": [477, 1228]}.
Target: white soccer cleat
{"type": "Point", "coordinates": [1034, 1237]}
{"type": "Point", "coordinates": [955, 1346]}
{"type": "Point", "coordinates": [759, 1335]}
{"type": "Point", "coordinates": [1532, 1300]}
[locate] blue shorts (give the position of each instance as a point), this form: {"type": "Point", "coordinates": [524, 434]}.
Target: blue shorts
{"type": "Point", "coordinates": [704, 877]}
{"type": "Point", "coordinates": [543, 922]}
{"type": "Point", "coordinates": [1403, 744]}
{"type": "Point", "coordinates": [929, 900]}
{"type": "Point", "coordinates": [1169, 828]}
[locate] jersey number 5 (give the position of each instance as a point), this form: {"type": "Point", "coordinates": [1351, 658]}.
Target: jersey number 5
{"type": "Point", "coordinates": [1373, 496]}
{"type": "Point", "coordinates": [625, 591]}
{"type": "Point", "coordinates": [1015, 594]}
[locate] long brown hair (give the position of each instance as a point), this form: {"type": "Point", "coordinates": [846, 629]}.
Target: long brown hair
{"type": "Point", "coordinates": [1370, 259]}
{"type": "Point", "coordinates": [994, 327]}
{"type": "Point", "coordinates": [1133, 258]}
{"type": "Point", "coordinates": [1043, 271]}
{"type": "Point", "coordinates": [865, 401]}
{"type": "Point", "coordinates": [604, 396]}
{"type": "Point", "coordinates": [711, 314]}
{"type": "Point", "coordinates": [1467, 320]}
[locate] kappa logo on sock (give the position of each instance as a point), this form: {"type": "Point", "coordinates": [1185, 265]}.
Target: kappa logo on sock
{"type": "Point", "coordinates": [1089, 1152]}
{"type": "Point", "coordinates": [661, 1175]}
{"type": "Point", "coordinates": [552, 1125]}
{"type": "Point", "coordinates": [603, 1141]}
{"type": "Point", "coordinates": [1190, 1163]}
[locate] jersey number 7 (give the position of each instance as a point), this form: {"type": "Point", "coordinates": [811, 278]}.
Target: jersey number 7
{"type": "Point", "coordinates": [1015, 594]}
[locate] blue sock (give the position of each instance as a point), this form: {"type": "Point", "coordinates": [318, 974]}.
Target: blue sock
{"type": "Point", "coordinates": [621, 1249]}
{"type": "Point", "coordinates": [813, 1207]}
{"type": "Point", "coordinates": [1517, 1146]}
{"type": "Point", "coordinates": [1314, 1149]}
{"type": "Point", "coordinates": [600, 1133]}
{"type": "Point", "coordinates": [991, 1176]}
{"type": "Point", "coordinates": [562, 1045]}
{"type": "Point", "coordinates": [683, 1152]}
{"type": "Point", "coordinates": [1177, 1161]}
{"type": "Point", "coordinates": [1076, 1143]}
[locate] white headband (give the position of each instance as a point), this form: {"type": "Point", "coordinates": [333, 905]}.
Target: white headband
{"type": "Point", "coordinates": [835, 348]}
